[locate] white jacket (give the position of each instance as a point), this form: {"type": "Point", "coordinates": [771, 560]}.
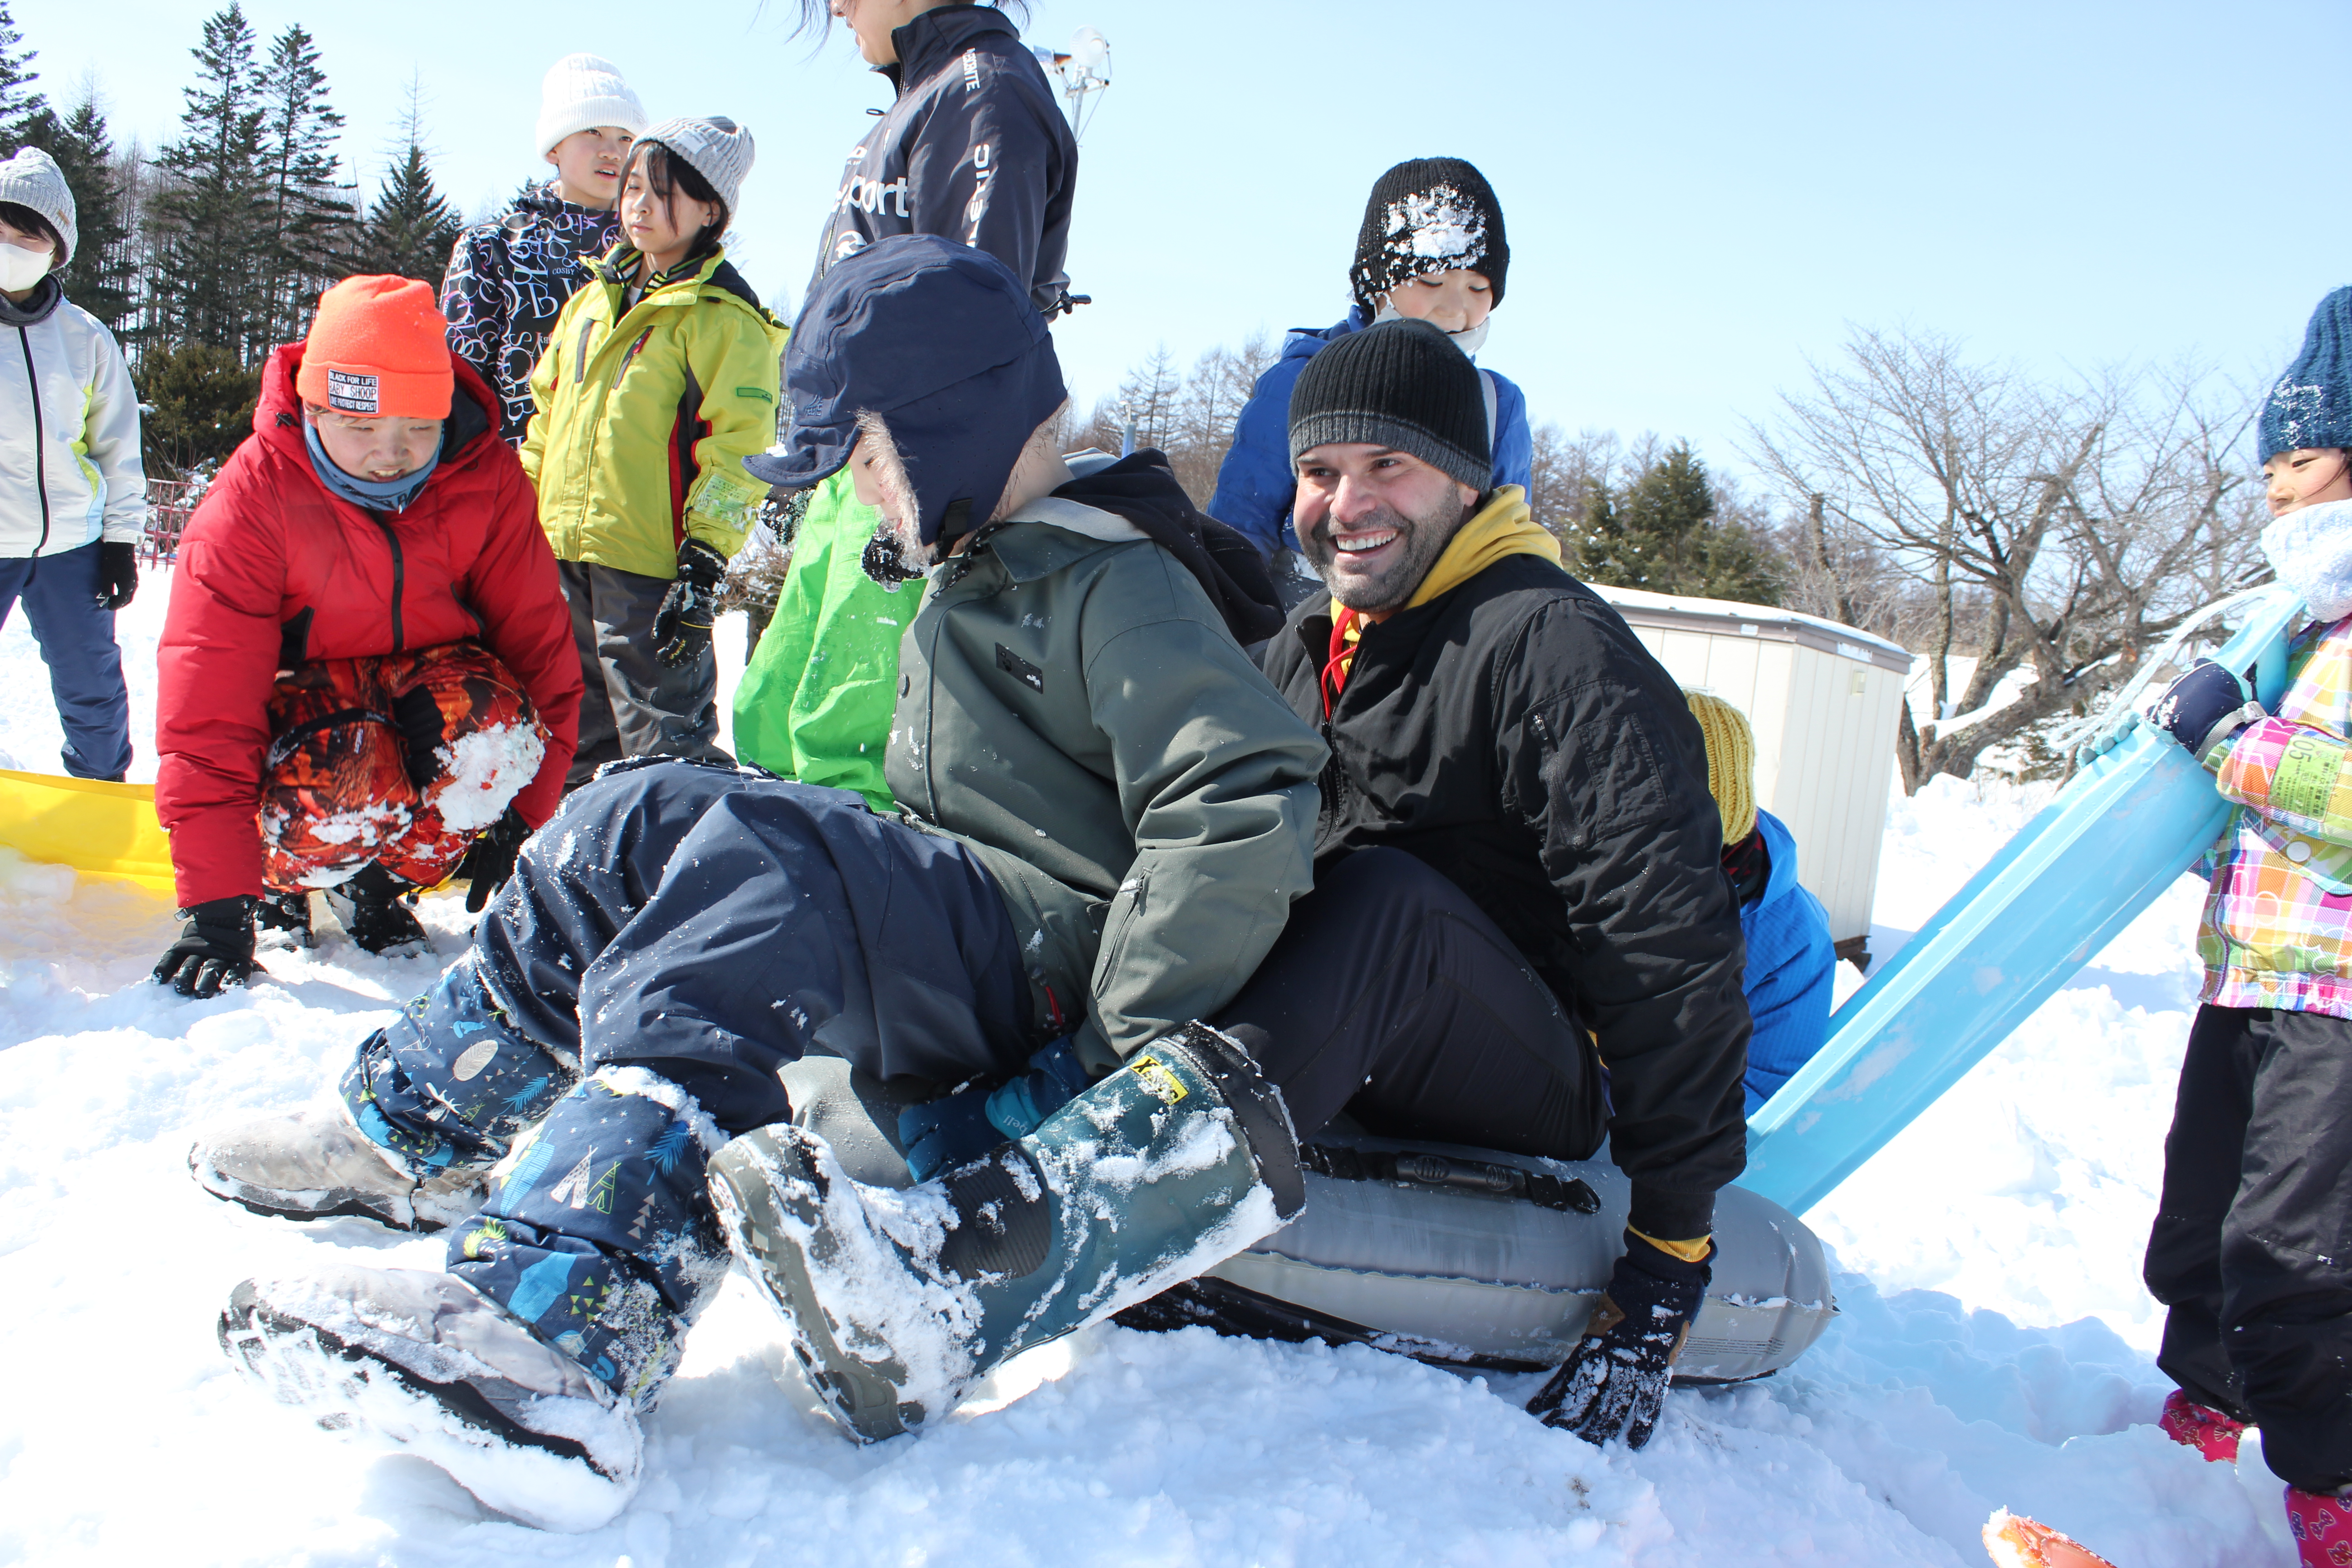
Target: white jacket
{"type": "Point", "coordinates": [69, 465]}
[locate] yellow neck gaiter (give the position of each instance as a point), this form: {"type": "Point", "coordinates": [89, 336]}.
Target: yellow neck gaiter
{"type": "Point", "coordinates": [1503, 526]}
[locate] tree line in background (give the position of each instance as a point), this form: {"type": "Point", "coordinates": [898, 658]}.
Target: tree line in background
{"type": "Point", "coordinates": [2027, 536]}
{"type": "Point", "coordinates": [205, 254]}
{"type": "Point", "coordinates": [2048, 532]}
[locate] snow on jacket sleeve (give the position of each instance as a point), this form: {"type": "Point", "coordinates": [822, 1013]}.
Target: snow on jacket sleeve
{"type": "Point", "coordinates": [474, 299]}
{"type": "Point", "coordinates": [1603, 761]}
{"type": "Point", "coordinates": [214, 669]}
{"type": "Point", "coordinates": [1514, 447]}
{"type": "Point", "coordinates": [1216, 780]}
{"type": "Point", "coordinates": [2294, 774]}
{"type": "Point", "coordinates": [982, 174]}
{"type": "Point", "coordinates": [737, 369]}
{"type": "Point", "coordinates": [110, 440]}
{"type": "Point", "coordinates": [513, 587]}
{"type": "Point", "coordinates": [1256, 482]}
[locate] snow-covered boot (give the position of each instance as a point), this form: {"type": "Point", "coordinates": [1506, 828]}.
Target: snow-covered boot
{"type": "Point", "coordinates": [315, 1163]}
{"type": "Point", "coordinates": [899, 1301]}
{"type": "Point", "coordinates": [2201, 1427]}
{"type": "Point", "coordinates": [420, 1358]}
{"type": "Point", "coordinates": [2321, 1525]}
{"type": "Point", "coordinates": [285, 914]}
{"type": "Point", "coordinates": [2014, 1542]}
{"type": "Point", "coordinates": [372, 915]}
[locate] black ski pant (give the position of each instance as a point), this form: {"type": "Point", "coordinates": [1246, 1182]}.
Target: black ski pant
{"type": "Point", "coordinates": [2251, 1248]}
{"type": "Point", "coordinates": [1391, 997]}
{"type": "Point", "coordinates": [635, 705]}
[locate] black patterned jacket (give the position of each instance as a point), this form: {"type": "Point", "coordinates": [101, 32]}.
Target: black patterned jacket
{"type": "Point", "coordinates": [506, 282]}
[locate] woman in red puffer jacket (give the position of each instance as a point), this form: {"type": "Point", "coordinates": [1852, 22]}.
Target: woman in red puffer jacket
{"type": "Point", "coordinates": [367, 672]}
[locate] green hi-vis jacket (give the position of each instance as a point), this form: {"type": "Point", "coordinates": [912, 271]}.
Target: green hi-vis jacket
{"type": "Point", "coordinates": [647, 413]}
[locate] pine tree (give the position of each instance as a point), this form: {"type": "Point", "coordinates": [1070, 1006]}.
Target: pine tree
{"type": "Point", "coordinates": [212, 208]}
{"type": "Point", "coordinates": [100, 277]}
{"type": "Point", "coordinates": [1661, 534]}
{"type": "Point", "coordinates": [309, 222]}
{"type": "Point", "coordinates": [410, 226]}
{"type": "Point", "coordinates": [19, 99]}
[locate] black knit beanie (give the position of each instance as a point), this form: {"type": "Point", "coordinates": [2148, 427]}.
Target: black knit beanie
{"type": "Point", "coordinates": [1400, 385]}
{"type": "Point", "coordinates": [1428, 215]}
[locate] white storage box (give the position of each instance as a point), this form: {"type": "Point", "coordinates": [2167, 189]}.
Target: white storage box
{"type": "Point", "coordinates": [1822, 700]}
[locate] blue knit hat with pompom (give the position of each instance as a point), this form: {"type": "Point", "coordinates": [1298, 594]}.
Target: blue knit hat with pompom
{"type": "Point", "coordinates": [2311, 404]}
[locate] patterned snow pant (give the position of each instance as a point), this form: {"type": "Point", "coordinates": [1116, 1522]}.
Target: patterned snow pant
{"type": "Point", "coordinates": [401, 759]}
{"type": "Point", "coordinates": [678, 933]}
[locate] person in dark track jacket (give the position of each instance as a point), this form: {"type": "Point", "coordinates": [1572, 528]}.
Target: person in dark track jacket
{"type": "Point", "coordinates": [1494, 719]}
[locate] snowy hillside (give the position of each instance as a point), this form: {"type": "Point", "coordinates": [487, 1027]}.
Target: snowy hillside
{"type": "Point", "coordinates": [1993, 1347]}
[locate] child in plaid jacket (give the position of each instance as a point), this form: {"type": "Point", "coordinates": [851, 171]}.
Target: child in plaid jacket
{"type": "Point", "coordinates": [2251, 1248]}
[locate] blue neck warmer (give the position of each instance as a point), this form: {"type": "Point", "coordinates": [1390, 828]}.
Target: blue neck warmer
{"type": "Point", "coordinates": [371, 495]}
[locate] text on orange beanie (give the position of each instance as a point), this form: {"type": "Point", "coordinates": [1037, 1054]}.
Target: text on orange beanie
{"type": "Point", "coordinates": [378, 345]}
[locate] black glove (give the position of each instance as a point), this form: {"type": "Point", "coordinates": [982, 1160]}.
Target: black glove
{"type": "Point", "coordinates": [2205, 705]}
{"type": "Point", "coordinates": [117, 572]}
{"type": "Point", "coordinates": [682, 625]}
{"type": "Point", "coordinates": [1614, 1383]}
{"type": "Point", "coordinates": [489, 860]}
{"type": "Point", "coordinates": [214, 949]}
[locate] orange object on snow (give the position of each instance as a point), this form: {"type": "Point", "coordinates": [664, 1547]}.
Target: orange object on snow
{"type": "Point", "coordinates": [2015, 1542]}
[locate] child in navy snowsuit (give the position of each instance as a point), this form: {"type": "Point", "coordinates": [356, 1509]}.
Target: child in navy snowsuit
{"type": "Point", "coordinates": [2248, 1250]}
{"type": "Point", "coordinates": [1430, 246]}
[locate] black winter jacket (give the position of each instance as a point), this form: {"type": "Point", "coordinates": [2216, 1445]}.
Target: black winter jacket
{"type": "Point", "coordinates": [974, 149]}
{"type": "Point", "coordinates": [1515, 735]}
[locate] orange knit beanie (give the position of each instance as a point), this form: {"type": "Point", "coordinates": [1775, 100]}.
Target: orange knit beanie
{"type": "Point", "coordinates": [378, 346]}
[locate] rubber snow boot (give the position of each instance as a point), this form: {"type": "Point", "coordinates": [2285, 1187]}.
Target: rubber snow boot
{"type": "Point", "coordinates": [420, 1358]}
{"type": "Point", "coordinates": [316, 1163]}
{"type": "Point", "coordinates": [899, 1301]}
{"type": "Point", "coordinates": [2201, 1427]}
{"type": "Point", "coordinates": [372, 915]}
{"type": "Point", "coordinates": [2322, 1526]}
{"type": "Point", "coordinates": [287, 915]}
{"type": "Point", "coordinates": [2015, 1542]}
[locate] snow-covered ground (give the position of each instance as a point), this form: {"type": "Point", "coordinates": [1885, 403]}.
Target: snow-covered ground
{"type": "Point", "coordinates": [1993, 1346]}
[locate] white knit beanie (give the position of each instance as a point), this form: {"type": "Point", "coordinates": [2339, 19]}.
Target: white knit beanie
{"type": "Point", "coordinates": [581, 92]}
{"type": "Point", "coordinates": [720, 150]}
{"type": "Point", "coordinates": [32, 179]}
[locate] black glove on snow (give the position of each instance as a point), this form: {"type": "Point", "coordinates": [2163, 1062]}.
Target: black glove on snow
{"type": "Point", "coordinates": [1614, 1383]}
{"type": "Point", "coordinates": [2205, 705]}
{"type": "Point", "coordinates": [214, 949]}
{"type": "Point", "coordinates": [489, 860]}
{"type": "Point", "coordinates": [682, 625]}
{"type": "Point", "coordinates": [117, 574]}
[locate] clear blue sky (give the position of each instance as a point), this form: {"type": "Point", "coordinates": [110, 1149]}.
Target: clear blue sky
{"type": "Point", "coordinates": [1698, 196]}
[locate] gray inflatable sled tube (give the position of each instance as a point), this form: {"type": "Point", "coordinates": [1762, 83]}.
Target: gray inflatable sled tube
{"type": "Point", "coordinates": [1460, 1257]}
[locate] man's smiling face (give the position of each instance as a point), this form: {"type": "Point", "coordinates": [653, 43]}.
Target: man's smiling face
{"type": "Point", "coordinates": [1372, 520]}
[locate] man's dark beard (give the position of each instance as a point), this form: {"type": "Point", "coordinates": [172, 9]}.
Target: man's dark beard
{"type": "Point", "coordinates": [1425, 540]}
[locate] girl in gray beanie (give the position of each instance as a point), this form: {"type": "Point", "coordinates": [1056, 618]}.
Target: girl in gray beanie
{"type": "Point", "coordinates": [71, 519]}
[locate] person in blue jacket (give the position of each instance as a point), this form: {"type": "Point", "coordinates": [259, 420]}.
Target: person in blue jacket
{"type": "Point", "coordinates": [1792, 960]}
{"type": "Point", "coordinates": [1432, 246]}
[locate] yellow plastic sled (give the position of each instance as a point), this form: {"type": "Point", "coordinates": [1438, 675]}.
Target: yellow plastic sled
{"type": "Point", "coordinates": [99, 829]}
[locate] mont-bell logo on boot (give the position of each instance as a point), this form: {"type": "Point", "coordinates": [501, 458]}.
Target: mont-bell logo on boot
{"type": "Point", "coordinates": [354, 391]}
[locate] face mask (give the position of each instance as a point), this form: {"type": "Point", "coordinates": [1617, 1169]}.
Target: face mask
{"type": "Point", "coordinates": [1468, 340]}
{"type": "Point", "coordinates": [21, 268]}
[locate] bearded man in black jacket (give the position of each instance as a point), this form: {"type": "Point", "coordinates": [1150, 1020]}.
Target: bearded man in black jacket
{"type": "Point", "coordinates": [1509, 768]}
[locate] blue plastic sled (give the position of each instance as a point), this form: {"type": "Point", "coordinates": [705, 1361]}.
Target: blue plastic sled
{"type": "Point", "coordinates": [2135, 818]}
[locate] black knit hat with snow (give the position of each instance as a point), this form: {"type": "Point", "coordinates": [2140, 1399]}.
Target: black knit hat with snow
{"type": "Point", "coordinates": [1428, 215]}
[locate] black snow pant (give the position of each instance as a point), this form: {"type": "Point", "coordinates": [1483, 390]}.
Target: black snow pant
{"type": "Point", "coordinates": [635, 705]}
{"type": "Point", "coordinates": [1391, 997]}
{"type": "Point", "coordinates": [2251, 1248]}
{"type": "Point", "coordinates": [677, 933]}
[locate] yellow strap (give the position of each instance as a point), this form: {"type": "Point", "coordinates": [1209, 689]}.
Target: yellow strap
{"type": "Point", "coordinates": [1688, 1251]}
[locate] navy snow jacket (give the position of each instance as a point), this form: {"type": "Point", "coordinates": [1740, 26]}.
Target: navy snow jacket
{"type": "Point", "coordinates": [974, 149]}
{"type": "Point", "coordinates": [1790, 963]}
{"type": "Point", "coordinates": [1255, 484]}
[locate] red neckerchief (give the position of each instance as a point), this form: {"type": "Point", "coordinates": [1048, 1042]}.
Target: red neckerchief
{"type": "Point", "coordinates": [1342, 659]}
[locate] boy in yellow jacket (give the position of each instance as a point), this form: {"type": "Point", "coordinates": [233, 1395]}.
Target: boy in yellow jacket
{"type": "Point", "coordinates": [660, 379]}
